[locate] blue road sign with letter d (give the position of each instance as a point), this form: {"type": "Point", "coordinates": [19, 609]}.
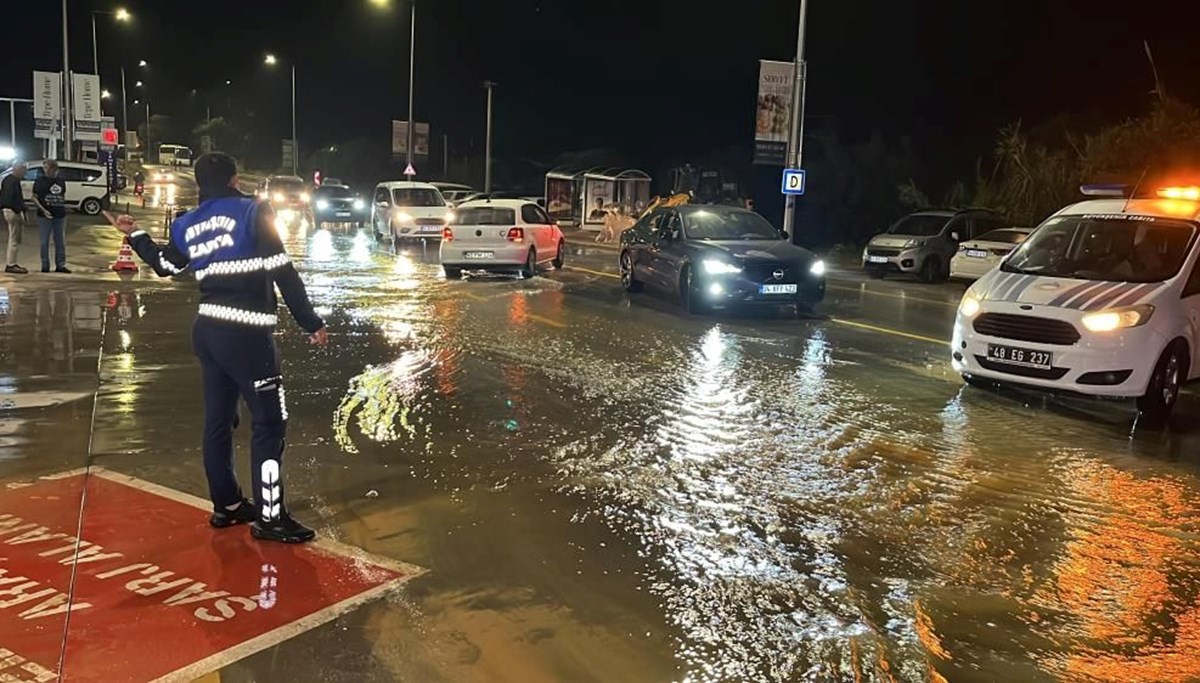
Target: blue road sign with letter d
{"type": "Point", "coordinates": [793, 180]}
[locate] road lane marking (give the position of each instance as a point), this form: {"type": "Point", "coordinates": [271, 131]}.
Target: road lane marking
{"type": "Point", "coordinates": [888, 330]}
{"type": "Point", "coordinates": [532, 316]}
{"type": "Point", "coordinates": [905, 297]}
{"type": "Point", "coordinates": [589, 271]}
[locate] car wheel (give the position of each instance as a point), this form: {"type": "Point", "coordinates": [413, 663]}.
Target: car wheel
{"type": "Point", "coordinates": [91, 206]}
{"type": "Point", "coordinates": [628, 281]}
{"type": "Point", "coordinates": [452, 273]}
{"type": "Point", "coordinates": [558, 257]}
{"type": "Point", "coordinates": [1155, 406]}
{"type": "Point", "coordinates": [693, 301]}
{"type": "Point", "coordinates": [530, 268]}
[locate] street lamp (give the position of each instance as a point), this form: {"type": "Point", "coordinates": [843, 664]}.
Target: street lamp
{"type": "Point", "coordinates": [270, 60]}
{"type": "Point", "coordinates": [121, 15]}
{"type": "Point", "coordinates": [412, 52]}
{"type": "Point", "coordinates": [143, 64]}
{"type": "Point", "coordinates": [104, 95]}
{"type": "Point", "coordinates": [125, 105]}
{"type": "Point", "coordinates": [138, 84]}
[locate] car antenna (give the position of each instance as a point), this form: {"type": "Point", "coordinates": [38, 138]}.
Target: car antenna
{"type": "Point", "coordinates": [1128, 199]}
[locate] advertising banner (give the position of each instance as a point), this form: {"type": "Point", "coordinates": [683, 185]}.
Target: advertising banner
{"type": "Point", "coordinates": [400, 138]}
{"type": "Point", "coordinates": [774, 116]}
{"type": "Point", "coordinates": [560, 200]}
{"type": "Point", "coordinates": [85, 89]}
{"type": "Point", "coordinates": [47, 104]}
{"type": "Point", "coordinates": [598, 199]}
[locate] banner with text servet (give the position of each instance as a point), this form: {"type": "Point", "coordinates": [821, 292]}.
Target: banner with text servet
{"type": "Point", "coordinates": [774, 115]}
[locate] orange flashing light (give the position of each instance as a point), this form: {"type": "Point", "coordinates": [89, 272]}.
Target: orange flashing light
{"type": "Point", "coordinates": [1189, 193]}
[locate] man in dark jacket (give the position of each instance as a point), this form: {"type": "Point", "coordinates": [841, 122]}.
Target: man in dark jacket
{"type": "Point", "coordinates": [230, 244]}
{"type": "Point", "coordinates": [12, 205]}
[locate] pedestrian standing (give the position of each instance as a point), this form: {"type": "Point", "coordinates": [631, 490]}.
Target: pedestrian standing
{"type": "Point", "coordinates": [230, 243]}
{"type": "Point", "coordinates": [50, 194]}
{"type": "Point", "coordinates": [12, 205]}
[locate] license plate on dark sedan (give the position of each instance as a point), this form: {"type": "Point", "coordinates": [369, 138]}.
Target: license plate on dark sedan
{"type": "Point", "coordinates": [777, 289]}
{"type": "Point", "coordinates": [1026, 358]}
{"type": "Point", "coordinates": [342, 214]}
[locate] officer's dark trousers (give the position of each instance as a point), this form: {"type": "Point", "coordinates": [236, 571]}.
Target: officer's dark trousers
{"type": "Point", "coordinates": [242, 362]}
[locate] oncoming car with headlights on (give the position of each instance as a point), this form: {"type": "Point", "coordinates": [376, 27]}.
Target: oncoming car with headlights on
{"type": "Point", "coordinates": [1102, 300]}
{"type": "Point", "coordinates": [337, 205]}
{"type": "Point", "coordinates": [290, 198]}
{"type": "Point", "coordinates": [404, 211]}
{"type": "Point", "coordinates": [719, 257]}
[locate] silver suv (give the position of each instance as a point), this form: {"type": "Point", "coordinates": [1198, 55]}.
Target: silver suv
{"type": "Point", "coordinates": [923, 243]}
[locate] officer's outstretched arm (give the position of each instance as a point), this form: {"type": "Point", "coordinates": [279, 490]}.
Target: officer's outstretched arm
{"type": "Point", "coordinates": [270, 246]}
{"type": "Point", "coordinates": [165, 260]}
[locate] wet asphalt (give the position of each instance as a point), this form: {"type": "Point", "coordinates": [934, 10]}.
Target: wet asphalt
{"type": "Point", "coordinates": [602, 487]}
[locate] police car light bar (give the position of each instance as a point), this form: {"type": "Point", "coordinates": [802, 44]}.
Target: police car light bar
{"type": "Point", "coordinates": [1188, 193]}
{"type": "Point", "coordinates": [1113, 190]}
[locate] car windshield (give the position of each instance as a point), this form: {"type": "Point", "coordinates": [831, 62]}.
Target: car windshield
{"type": "Point", "coordinates": [1004, 236]}
{"type": "Point", "coordinates": [485, 215]}
{"type": "Point", "coordinates": [920, 225]}
{"type": "Point", "coordinates": [417, 196]}
{"type": "Point", "coordinates": [728, 224]}
{"type": "Point", "coordinates": [1117, 248]}
{"type": "Point", "coordinates": [286, 185]}
{"type": "Point", "coordinates": [328, 192]}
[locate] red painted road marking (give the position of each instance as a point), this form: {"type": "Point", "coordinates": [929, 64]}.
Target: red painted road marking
{"type": "Point", "coordinates": [159, 596]}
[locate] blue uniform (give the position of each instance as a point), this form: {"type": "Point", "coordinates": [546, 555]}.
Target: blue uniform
{"type": "Point", "coordinates": [230, 245]}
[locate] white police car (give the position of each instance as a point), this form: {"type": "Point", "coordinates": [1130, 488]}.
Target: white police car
{"type": "Point", "coordinates": [1103, 299]}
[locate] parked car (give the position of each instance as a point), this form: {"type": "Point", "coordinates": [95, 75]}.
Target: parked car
{"type": "Point", "coordinates": [499, 236]}
{"type": "Point", "coordinates": [405, 210]}
{"type": "Point", "coordinates": [338, 204]}
{"type": "Point", "coordinates": [87, 185]}
{"type": "Point", "coordinates": [455, 193]}
{"type": "Point", "coordinates": [977, 257]}
{"type": "Point", "coordinates": [719, 257]}
{"type": "Point", "coordinates": [923, 243]}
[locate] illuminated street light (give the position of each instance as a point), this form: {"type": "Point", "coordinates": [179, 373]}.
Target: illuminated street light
{"type": "Point", "coordinates": [143, 64]}
{"type": "Point", "coordinates": [412, 54]}
{"type": "Point", "coordinates": [270, 60]}
{"type": "Point", "coordinates": [138, 84]}
{"type": "Point", "coordinates": [104, 94]}
{"type": "Point", "coordinates": [228, 82]}
{"type": "Point", "coordinates": [122, 14]}
{"type": "Point", "coordinates": [137, 101]}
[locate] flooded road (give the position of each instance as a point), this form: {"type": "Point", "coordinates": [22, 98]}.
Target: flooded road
{"type": "Point", "coordinates": [603, 488]}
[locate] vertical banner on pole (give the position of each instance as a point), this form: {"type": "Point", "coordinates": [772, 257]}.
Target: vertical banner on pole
{"type": "Point", "coordinates": [47, 104]}
{"type": "Point", "coordinates": [85, 89]}
{"type": "Point", "coordinates": [774, 112]}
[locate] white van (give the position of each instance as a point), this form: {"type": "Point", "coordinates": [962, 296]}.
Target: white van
{"type": "Point", "coordinates": [87, 185]}
{"type": "Point", "coordinates": [407, 210]}
{"type": "Point", "coordinates": [1102, 299]}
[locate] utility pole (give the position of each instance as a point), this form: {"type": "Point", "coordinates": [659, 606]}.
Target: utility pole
{"type": "Point", "coordinates": [66, 87]}
{"type": "Point", "coordinates": [796, 136]}
{"type": "Point", "coordinates": [445, 156]}
{"type": "Point", "coordinates": [124, 114]}
{"type": "Point", "coordinates": [487, 171]}
{"type": "Point", "coordinates": [295, 142]}
{"type": "Point", "coordinates": [412, 58]}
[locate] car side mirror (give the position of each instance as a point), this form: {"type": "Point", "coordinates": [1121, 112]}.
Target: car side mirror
{"type": "Point", "coordinates": [955, 236]}
{"type": "Point", "coordinates": [784, 234]}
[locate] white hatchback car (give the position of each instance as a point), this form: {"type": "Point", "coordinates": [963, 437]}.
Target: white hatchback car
{"type": "Point", "coordinates": [501, 235]}
{"type": "Point", "coordinates": [977, 257]}
{"type": "Point", "coordinates": [1103, 300]}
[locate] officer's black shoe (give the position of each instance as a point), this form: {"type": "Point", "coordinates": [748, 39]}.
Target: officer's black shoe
{"type": "Point", "coordinates": [244, 513]}
{"type": "Point", "coordinates": [283, 530]}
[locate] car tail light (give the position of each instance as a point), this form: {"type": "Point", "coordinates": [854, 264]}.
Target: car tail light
{"type": "Point", "coordinates": [516, 234]}
{"type": "Point", "coordinates": [448, 233]}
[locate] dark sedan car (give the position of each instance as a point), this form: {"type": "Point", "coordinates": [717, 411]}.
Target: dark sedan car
{"type": "Point", "coordinates": [719, 257]}
{"type": "Point", "coordinates": [338, 204]}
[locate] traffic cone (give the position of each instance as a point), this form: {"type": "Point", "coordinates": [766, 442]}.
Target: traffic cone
{"type": "Point", "coordinates": [125, 262]}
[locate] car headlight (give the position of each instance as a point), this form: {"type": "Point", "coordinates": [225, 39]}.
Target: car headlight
{"type": "Point", "coordinates": [970, 306]}
{"type": "Point", "coordinates": [817, 268]}
{"type": "Point", "coordinates": [402, 217]}
{"type": "Point", "coordinates": [322, 204]}
{"type": "Point", "coordinates": [278, 197]}
{"type": "Point", "coordinates": [1118, 318]}
{"type": "Point", "coordinates": [305, 197]}
{"type": "Point", "coordinates": [715, 267]}
{"type": "Point", "coordinates": [449, 216]}
{"type": "Point", "coordinates": [359, 205]}
{"type": "Point", "coordinates": [913, 244]}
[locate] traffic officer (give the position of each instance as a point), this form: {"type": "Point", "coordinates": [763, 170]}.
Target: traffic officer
{"type": "Point", "coordinates": [230, 244]}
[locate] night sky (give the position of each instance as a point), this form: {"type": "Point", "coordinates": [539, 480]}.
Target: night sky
{"type": "Point", "coordinates": [648, 78]}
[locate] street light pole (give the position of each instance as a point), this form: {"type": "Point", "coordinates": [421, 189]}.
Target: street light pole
{"type": "Point", "coordinates": [412, 56]}
{"type": "Point", "coordinates": [95, 50]}
{"type": "Point", "coordinates": [124, 114]}
{"type": "Point", "coordinates": [295, 142]}
{"type": "Point", "coordinates": [487, 169]}
{"type": "Point", "coordinates": [66, 87]}
{"type": "Point", "coordinates": [796, 136]}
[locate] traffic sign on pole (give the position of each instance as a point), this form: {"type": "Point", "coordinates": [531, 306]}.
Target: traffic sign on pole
{"type": "Point", "coordinates": [794, 181]}
{"type": "Point", "coordinates": [410, 171]}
